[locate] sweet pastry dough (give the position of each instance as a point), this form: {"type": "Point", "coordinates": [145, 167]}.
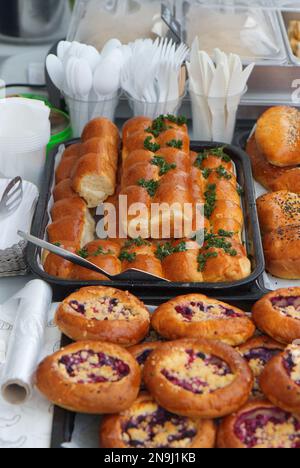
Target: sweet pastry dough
{"type": "Point", "coordinates": [197, 316]}
{"type": "Point", "coordinates": [280, 380]}
{"type": "Point", "coordinates": [278, 136]}
{"type": "Point", "coordinates": [278, 210]}
{"type": "Point", "coordinates": [58, 267]}
{"type": "Point", "coordinates": [258, 352]}
{"type": "Point", "coordinates": [90, 377]}
{"type": "Point", "coordinates": [281, 248]}
{"type": "Point", "coordinates": [278, 315]}
{"type": "Point", "coordinates": [102, 129]}
{"type": "Point", "coordinates": [259, 425]}
{"type": "Point", "coordinates": [72, 207]}
{"type": "Point", "coordinates": [103, 314]}
{"type": "Point", "coordinates": [198, 378]}
{"type": "Point", "coordinates": [142, 352]}
{"type": "Point", "coordinates": [64, 190]}
{"type": "Point", "coordinates": [79, 230]}
{"type": "Point", "coordinates": [146, 425]}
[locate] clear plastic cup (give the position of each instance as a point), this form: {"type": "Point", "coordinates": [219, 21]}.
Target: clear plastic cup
{"type": "Point", "coordinates": [83, 111]}
{"type": "Point", "coordinates": [154, 109]}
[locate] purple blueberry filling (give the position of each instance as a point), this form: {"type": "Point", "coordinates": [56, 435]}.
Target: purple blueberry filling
{"type": "Point", "coordinates": [247, 426]}
{"type": "Point", "coordinates": [290, 365]}
{"type": "Point", "coordinates": [189, 312]}
{"type": "Point", "coordinates": [142, 358]}
{"type": "Point", "coordinates": [104, 308]}
{"type": "Point", "coordinates": [75, 305]}
{"type": "Point", "coordinates": [86, 366]}
{"type": "Point", "coordinates": [288, 301]}
{"type": "Point", "coordinates": [156, 423]}
{"type": "Point", "coordinates": [263, 354]}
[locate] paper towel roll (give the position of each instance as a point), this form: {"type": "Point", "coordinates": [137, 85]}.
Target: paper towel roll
{"type": "Point", "coordinates": [27, 312]}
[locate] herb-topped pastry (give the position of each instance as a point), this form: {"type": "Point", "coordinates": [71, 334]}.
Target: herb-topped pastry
{"type": "Point", "coordinates": [278, 315]}
{"type": "Point", "coordinates": [258, 352]}
{"type": "Point", "coordinates": [104, 314]}
{"type": "Point", "coordinates": [90, 377]}
{"type": "Point", "coordinates": [198, 378]}
{"type": "Point", "coordinates": [280, 381]}
{"type": "Point", "coordinates": [260, 425]}
{"type": "Point", "coordinates": [195, 316]}
{"type": "Point", "coordinates": [147, 425]}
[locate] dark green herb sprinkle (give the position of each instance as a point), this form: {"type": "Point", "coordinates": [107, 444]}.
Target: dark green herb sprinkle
{"type": "Point", "coordinates": [223, 233]}
{"type": "Point", "coordinates": [160, 162]}
{"type": "Point", "coordinates": [240, 191]}
{"type": "Point", "coordinates": [101, 251]}
{"type": "Point", "coordinates": [223, 174]}
{"type": "Point", "coordinates": [159, 125]}
{"type": "Point", "coordinates": [138, 242]}
{"type": "Point", "coordinates": [199, 160]}
{"type": "Point", "coordinates": [203, 257]}
{"type": "Point", "coordinates": [165, 250]}
{"type": "Point", "coordinates": [206, 173]}
{"type": "Point", "coordinates": [175, 144]}
{"type": "Point", "coordinates": [83, 253]}
{"type": "Point", "coordinates": [127, 257]}
{"type": "Point", "coordinates": [181, 120]}
{"type": "Point", "coordinates": [210, 200]}
{"type": "Point", "coordinates": [57, 244]}
{"type": "Point", "coordinates": [150, 185]}
{"type": "Point", "coordinates": [150, 145]}
{"type": "Point", "coordinates": [219, 153]}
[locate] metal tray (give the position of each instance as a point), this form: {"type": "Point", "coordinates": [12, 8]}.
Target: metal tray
{"type": "Point", "coordinates": [157, 290]}
{"type": "Point", "coordinates": [284, 18]}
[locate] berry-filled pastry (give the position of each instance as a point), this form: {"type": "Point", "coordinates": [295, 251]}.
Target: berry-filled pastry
{"type": "Point", "coordinates": [198, 378]}
{"type": "Point", "coordinates": [197, 316]}
{"type": "Point", "coordinates": [90, 377]}
{"type": "Point", "coordinates": [260, 425]}
{"type": "Point", "coordinates": [278, 315]}
{"type": "Point", "coordinates": [280, 380]}
{"type": "Point", "coordinates": [147, 425]}
{"type": "Point", "coordinates": [142, 352]}
{"type": "Point", "coordinates": [258, 352]}
{"type": "Point", "coordinates": [103, 314]}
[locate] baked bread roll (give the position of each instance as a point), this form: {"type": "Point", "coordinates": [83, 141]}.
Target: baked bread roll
{"type": "Point", "coordinates": [64, 190]}
{"type": "Point", "coordinates": [135, 125]}
{"type": "Point", "coordinates": [278, 315]}
{"type": "Point", "coordinates": [59, 267]}
{"type": "Point", "coordinates": [108, 263]}
{"type": "Point", "coordinates": [281, 249]}
{"type": "Point", "coordinates": [259, 425]}
{"type": "Point", "coordinates": [146, 425]}
{"type": "Point", "coordinates": [141, 353]}
{"type": "Point", "coordinates": [280, 380]}
{"type": "Point", "coordinates": [198, 378]}
{"type": "Point", "coordinates": [289, 181]}
{"type": "Point", "coordinates": [278, 210]}
{"type": "Point", "coordinates": [90, 377]}
{"type": "Point", "coordinates": [197, 316]}
{"type": "Point", "coordinates": [104, 130]}
{"type": "Point", "coordinates": [278, 136]}
{"type": "Point", "coordinates": [258, 352]}
{"type": "Point", "coordinates": [66, 168]}
{"type": "Point", "coordinates": [103, 314]}
{"type": "Point", "coordinates": [182, 265]}
{"type": "Point", "coordinates": [71, 207]}
{"type": "Point", "coordinates": [79, 230]}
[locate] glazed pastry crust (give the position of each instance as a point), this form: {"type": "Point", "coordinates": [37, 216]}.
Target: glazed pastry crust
{"type": "Point", "coordinates": [122, 332]}
{"type": "Point", "coordinates": [102, 398]}
{"type": "Point", "coordinates": [232, 331]}
{"type": "Point", "coordinates": [278, 210]}
{"type": "Point", "coordinates": [281, 328]}
{"type": "Point", "coordinates": [180, 401]}
{"type": "Point", "coordinates": [111, 429]}
{"type": "Point", "coordinates": [278, 386]}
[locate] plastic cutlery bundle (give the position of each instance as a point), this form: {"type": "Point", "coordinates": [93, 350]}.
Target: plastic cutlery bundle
{"type": "Point", "coordinates": [216, 88]}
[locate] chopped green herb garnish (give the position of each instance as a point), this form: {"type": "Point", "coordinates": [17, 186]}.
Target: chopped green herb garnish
{"type": "Point", "coordinates": [210, 200]}
{"type": "Point", "coordinates": [150, 185]}
{"type": "Point", "coordinates": [181, 120]}
{"type": "Point", "coordinates": [159, 125]}
{"type": "Point", "coordinates": [165, 250]}
{"type": "Point", "coordinates": [202, 259]}
{"type": "Point", "coordinates": [83, 253]}
{"type": "Point", "coordinates": [199, 160]}
{"type": "Point", "coordinates": [240, 191]}
{"type": "Point", "coordinates": [160, 162]}
{"type": "Point", "coordinates": [223, 233]}
{"type": "Point", "coordinates": [223, 174]}
{"type": "Point", "coordinates": [57, 244]}
{"type": "Point", "coordinates": [175, 144]}
{"type": "Point", "coordinates": [138, 242]}
{"type": "Point", "coordinates": [127, 257]}
{"type": "Point", "coordinates": [206, 173]}
{"type": "Point", "coordinates": [101, 251]}
{"type": "Point", "coordinates": [150, 145]}
{"type": "Point", "coordinates": [219, 153]}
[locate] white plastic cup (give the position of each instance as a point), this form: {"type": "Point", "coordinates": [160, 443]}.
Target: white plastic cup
{"type": "Point", "coordinates": [153, 109]}
{"type": "Point", "coordinates": [25, 131]}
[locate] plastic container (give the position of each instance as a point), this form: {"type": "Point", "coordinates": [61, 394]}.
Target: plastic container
{"type": "Point", "coordinates": [24, 136]}
{"type": "Point", "coordinates": [153, 290]}
{"type": "Point", "coordinates": [154, 109]}
{"type": "Point", "coordinates": [285, 17]}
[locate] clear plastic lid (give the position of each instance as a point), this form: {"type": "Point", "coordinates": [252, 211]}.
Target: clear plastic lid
{"type": "Point", "coordinates": [244, 4]}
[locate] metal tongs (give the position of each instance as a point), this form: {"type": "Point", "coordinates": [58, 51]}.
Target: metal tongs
{"type": "Point", "coordinates": [131, 274]}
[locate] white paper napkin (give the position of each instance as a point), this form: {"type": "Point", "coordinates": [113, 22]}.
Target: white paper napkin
{"type": "Point", "coordinates": [21, 219]}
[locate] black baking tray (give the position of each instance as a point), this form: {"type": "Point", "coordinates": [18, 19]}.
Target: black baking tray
{"type": "Point", "coordinates": [159, 291]}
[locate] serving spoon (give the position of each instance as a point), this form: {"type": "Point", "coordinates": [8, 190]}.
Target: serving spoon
{"type": "Point", "coordinates": [131, 274]}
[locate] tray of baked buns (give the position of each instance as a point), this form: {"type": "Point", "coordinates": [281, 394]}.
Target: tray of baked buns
{"type": "Point", "coordinates": [273, 145]}
{"type": "Point", "coordinates": [154, 163]}
{"type": "Point", "coordinates": [193, 373]}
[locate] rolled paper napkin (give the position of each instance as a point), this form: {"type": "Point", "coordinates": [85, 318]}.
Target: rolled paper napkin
{"type": "Point", "coordinates": [27, 314]}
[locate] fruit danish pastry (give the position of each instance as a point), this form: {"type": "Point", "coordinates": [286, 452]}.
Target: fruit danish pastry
{"type": "Point", "coordinates": [103, 314]}
{"type": "Point", "coordinates": [198, 378]}
{"type": "Point", "coordinates": [197, 316]}
{"type": "Point", "coordinates": [90, 377]}
{"type": "Point", "coordinates": [146, 425]}
{"type": "Point", "coordinates": [260, 425]}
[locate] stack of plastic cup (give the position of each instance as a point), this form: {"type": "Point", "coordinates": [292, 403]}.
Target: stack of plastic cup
{"type": "Point", "coordinates": [25, 132]}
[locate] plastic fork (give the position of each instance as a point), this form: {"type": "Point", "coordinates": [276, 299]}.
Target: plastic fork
{"type": "Point", "coordinates": [12, 198]}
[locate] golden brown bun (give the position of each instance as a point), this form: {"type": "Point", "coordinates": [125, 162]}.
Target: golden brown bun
{"type": "Point", "coordinates": [114, 394]}
{"type": "Point", "coordinates": [290, 181]}
{"type": "Point", "coordinates": [136, 157]}
{"type": "Point", "coordinates": [278, 136]}
{"type": "Point", "coordinates": [69, 207]}
{"type": "Point", "coordinates": [57, 266]}
{"type": "Point", "coordinates": [197, 316]}
{"type": "Point", "coordinates": [95, 146]}
{"type": "Point", "coordinates": [183, 267]}
{"type": "Point", "coordinates": [66, 168]}
{"type": "Point", "coordinates": [108, 246]}
{"type": "Point", "coordinates": [180, 134]}
{"type": "Point", "coordinates": [264, 172]}
{"type": "Point", "coordinates": [78, 230]}
{"type": "Point", "coordinates": [103, 314]}
{"type": "Point", "coordinates": [108, 263]}
{"type": "Point", "coordinates": [234, 433]}
{"type": "Point", "coordinates": [114, 435]}
{"type": "Point", "coordinates": [278, 210]}
{"type": "Point", "coordinates": [138, 172]}
{"type": "Point", "coordinates": [72, 151]}
{"type": "Point", "coordinates": [282, 249]}
{"type": "Point", "coordinates": [64, 190]}
{"type": "Point", "coordinates": [147, 263]}
{"type": "Point", "coordinates": [135, 125]}
{"type": "Point", "coordinates": [273, 315]}
{"type": "Point", "coordinates": [103, 129]}
{"type": "Point", "coordinates": [277, 380]}
{"type": "Point", "coordinates": [223, 399]}
{"type": "Point", "coordinates": [226, 209]}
